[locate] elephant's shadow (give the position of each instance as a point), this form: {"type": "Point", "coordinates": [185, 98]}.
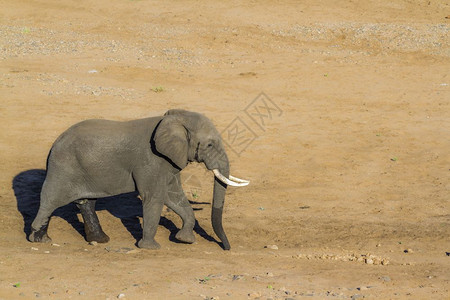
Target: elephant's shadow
{"type": "Point", "coordinates": [127, 207]}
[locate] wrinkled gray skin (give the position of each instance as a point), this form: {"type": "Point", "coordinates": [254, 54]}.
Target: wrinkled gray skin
{"type": "Point", "coordinates": [100, 158]}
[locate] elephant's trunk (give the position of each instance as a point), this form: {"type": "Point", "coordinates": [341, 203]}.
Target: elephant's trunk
{"type": "Point", "coordinates": [218, 203]}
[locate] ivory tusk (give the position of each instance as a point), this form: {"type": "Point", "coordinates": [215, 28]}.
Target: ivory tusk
{"type": "Point", "coordinates": [228, 181]}
{"type": "Point", "coordinates": [235, 179]}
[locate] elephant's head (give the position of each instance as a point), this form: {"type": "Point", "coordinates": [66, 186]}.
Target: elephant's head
{"type": "Point", "coordinates": [183, 137]}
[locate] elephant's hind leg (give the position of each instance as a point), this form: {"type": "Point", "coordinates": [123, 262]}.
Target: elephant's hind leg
{"type": "Point", "coordinates": [178, 202]}
{"type": "Point", "coordinates": [92, 227]}
{"type": "Point", "coordinates": [40, 224]}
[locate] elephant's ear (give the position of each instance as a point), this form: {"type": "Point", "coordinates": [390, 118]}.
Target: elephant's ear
{"type": "Point", "coordinates": [171, 141]}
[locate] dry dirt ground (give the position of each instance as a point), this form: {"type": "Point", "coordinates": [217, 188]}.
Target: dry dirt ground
{"type": "Point", "coordinates": [347, 150]}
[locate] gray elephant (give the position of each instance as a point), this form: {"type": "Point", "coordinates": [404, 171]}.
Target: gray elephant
{"type": "Point", "coordinates": [100, 158]}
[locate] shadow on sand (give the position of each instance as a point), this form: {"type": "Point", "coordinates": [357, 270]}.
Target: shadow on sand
{"type": "Point", "coordinates": [127, 207]}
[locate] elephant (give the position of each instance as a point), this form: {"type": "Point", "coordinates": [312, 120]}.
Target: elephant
{"type": "Point", "coordinates": [100, 158]}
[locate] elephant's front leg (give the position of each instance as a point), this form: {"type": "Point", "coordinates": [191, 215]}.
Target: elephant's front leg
{"type": "Point", "coordinates": [178, 202]}
{"type": "Point", "coordinates": [152, 207]}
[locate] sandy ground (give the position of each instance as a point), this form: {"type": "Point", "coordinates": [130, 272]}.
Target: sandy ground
{"type": "Point", "coordinates": [348, 157]}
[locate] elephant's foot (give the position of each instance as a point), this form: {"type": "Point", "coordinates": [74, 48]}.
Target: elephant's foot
{"type": "Point", "coordinates": [186, 236]}
{"type": "Point", "coordinates": [149, 244]}
{"type": "Point", "coordinates": [99, 237]}
{"type": "Point", "coordinates": [39, 236]}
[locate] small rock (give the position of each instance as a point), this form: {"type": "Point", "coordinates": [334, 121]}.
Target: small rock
{"type": "Point", "coordinates": [385, 278]}
{"type": "Point", "coordinates": [408, 251]}
{"type": "Point", "coordinates": [369, 261]}
{"type": "Point", "coordinates": [237, 277]}
{"type": "Point", "coordinates": [362, 288]}
{"type": "Point", "coordinates": [284, 290]}
{"type": "Point", "coordinates": [82, 293]}
{"type": "Point", "coordinates": [376, 261]}
{"type": "Point", "coordinates": [356, 296]}
{"type": "Point", "coordinates": [254, 295]}
{"type": "Point", "coordinates": [56, 245]}
{"type": "Point", "coordinates": [120, 296]}
{"type": "Point", "coordinates": [133, 251]}
{"type": "Point", "coordinates": [269, 274]}
{"type": "Point", "coordinates": [46, 252]}
{"type": "Point", "coordinates": [34, 248]}
{"type": "Point", "coordinates": [93, 243]}
{"type": "Point", "coordinates": [273, 247]}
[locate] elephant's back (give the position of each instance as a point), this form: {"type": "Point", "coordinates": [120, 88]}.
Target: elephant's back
{"type": "Point", "coordinates": [97, 140]}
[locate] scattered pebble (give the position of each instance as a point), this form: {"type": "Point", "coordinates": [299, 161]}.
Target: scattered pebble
{"type": "Point", "coordinates": [237, 277]}
{"type": "Point", "coordinates": [120, 296]}
{"type": "Point", "coordinates": [385, 278]}
{"type": "Point", "coordinates": [93, 243]}
{"type": "Point", "coordinates": [365, 258]}
{"type": "Point", "coordinates": [273, 247]}
{"type": "Point", "coordinates": [56, 245]}
{"type": "Point", "coordinates": [133, 251]}
{"type": "Point", "coordinates": [46, 252]}
{"type": "Point", "coordinates": [34, 248]}
{"type": "Point", "coordinates": [285, 291]}
{"type": "Point", "coordinates": [254, 295]}
{"type": "Point", "coordinates": [362, 288]}
{"type": "Point", "coordinates": [209, 298]}
{"type": "Point", "coordinates": [269, 274]}
{"type": "Point", "coordinates": [408, 251]}
{"type": "Point", "coordinates": [122, 250]}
